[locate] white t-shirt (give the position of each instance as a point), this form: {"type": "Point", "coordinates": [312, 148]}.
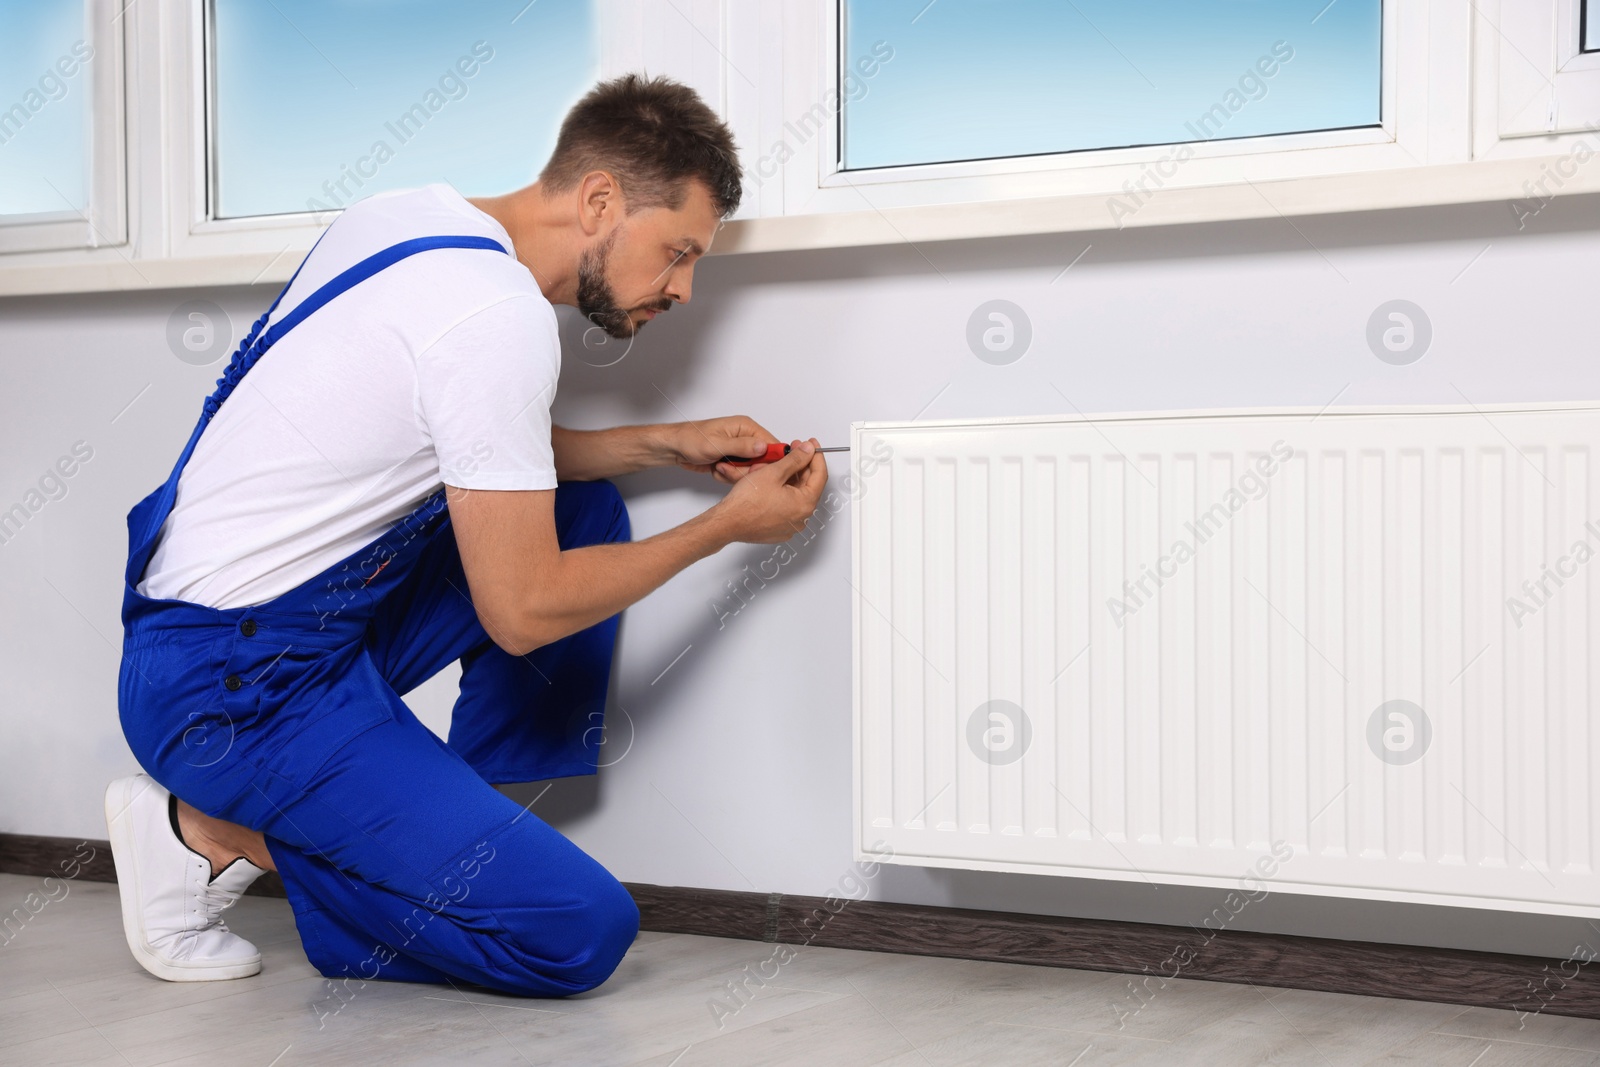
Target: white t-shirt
{"type": "Point", "coordinates": [439, 369]}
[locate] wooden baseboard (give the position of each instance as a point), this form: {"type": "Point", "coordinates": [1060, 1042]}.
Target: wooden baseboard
{"type": "Point", "coordinates": [1449, 976]}
{"type": "Point", "coordinates": [57, 856]}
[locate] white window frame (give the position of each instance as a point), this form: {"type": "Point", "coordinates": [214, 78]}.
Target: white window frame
{"type": "Point", "coordinates": [1444, 138]}
{"type": "Point", "coordinates": [1536, 87]}
{"type": "Point", "coordinates": [1423, 127]}
{"type": "Point", "coordinates": [1102, 172]}
{"type": "Point", "coordinates": [272, 244]}
{"type": "Point", "coordinates": [103, 222]}
{"type": "Point", "coordinates": [191, 231]}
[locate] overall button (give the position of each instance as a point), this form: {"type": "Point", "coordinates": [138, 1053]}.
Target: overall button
{"type": "Point", "coordinates": [233, 682]}
{"type": "Point", "coordinates": [248, 627]}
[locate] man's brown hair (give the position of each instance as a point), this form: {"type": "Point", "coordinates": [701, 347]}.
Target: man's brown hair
{"type": "Point", "coordinates": [654, 135]}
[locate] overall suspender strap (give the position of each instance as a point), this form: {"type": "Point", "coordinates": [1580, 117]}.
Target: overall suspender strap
{"type": "Point", "coordinates": [366, 269]}
{"type": "Point", "coordinates": [256, 343]}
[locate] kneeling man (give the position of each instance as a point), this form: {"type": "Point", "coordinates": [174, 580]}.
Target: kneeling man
{"type": "Point", "coordinates": [375, 490]}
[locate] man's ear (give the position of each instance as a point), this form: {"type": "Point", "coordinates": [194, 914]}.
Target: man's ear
{"type": "Point", "coordinates": [599, 201]}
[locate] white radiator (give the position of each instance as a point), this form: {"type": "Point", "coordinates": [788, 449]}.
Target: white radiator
{"type": "Point", "coordinates": [1159, 647]}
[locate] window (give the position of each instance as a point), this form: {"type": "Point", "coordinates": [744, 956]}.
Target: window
{"type": "Point", "coordinates": [1538, 77]}
{"type": "Point", "coordinates": [967, 80]}
{"type": "Point", "coordinates": [316, 104]}
{"type": "Point", "coordinates": [250, 123]}
{"type": "Point", "coordinates": [60, 124]}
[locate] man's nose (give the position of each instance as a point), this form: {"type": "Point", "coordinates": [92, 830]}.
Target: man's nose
{"type": "Point", "coordinates": [679, 283]}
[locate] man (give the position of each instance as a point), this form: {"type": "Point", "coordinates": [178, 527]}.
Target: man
{"type": "Point", "coordinates": [374, 491]}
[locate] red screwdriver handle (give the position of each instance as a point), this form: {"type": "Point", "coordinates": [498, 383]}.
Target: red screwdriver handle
{"type": "Point", "coordinates": [774, 452]}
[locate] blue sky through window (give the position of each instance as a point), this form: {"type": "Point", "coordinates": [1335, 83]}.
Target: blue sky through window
{"type": "Point", "coordinates": [982, 79]}
{"type": "Point", "coordinates": [322, 102]}
{"type": "Point", "coordinates": [45, 62]}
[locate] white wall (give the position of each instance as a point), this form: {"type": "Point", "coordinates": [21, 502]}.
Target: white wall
{"type": "Point", "coordinates": [738, 771]}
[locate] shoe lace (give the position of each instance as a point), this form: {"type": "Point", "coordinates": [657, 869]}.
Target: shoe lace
{"type": "Point", "coordinates": [214, 900]}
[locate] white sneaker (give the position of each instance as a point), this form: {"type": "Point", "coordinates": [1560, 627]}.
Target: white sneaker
{"type": "Point", "coordinates": [171, 905]}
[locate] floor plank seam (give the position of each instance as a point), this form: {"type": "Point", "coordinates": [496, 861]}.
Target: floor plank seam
{"type": "Point", "coordinates": [1522, 1044]}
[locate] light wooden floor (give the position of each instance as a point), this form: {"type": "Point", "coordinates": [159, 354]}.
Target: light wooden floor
{"type": "Point", "coordinates": [71, 994]}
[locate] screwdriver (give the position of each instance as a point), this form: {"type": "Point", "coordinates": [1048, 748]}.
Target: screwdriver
{"type": "Point", "coordinates": [773, 453]}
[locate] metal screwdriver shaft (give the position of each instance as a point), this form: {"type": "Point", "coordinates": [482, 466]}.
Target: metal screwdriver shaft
{"type": "Point", "coordinates": [774, 452]}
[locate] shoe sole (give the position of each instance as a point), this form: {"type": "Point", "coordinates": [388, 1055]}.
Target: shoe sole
{"type": "Point", "coordinates": [119, 799]}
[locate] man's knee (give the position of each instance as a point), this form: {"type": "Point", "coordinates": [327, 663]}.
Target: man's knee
{"type": "Point", "coordinates": [595, 934]}
{"type": "Point", "coordinates": [612, 919]}
{"type": "Point", "coordinates": [589, 513]}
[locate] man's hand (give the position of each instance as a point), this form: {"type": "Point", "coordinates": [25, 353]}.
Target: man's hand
{"type": "Point", "coordinates": [772, 501]}
{"type": "Point", "coordinates": [697, 446]}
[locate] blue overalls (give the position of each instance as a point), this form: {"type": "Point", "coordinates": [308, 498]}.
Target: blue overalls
{"type": "Point", "coordinates": [400, 859]}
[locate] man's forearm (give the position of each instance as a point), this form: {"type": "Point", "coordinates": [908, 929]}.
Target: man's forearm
{"type": "Point", "coordinates": [588, 455]}
{"type": "Point", "coordinates": [595, 582]}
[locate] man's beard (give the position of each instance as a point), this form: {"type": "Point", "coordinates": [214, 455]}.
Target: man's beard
{"type": "Point", "coordinates": [597, 301]}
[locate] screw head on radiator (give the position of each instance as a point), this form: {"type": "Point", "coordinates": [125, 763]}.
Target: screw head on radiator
{"type": "Point", "coordinates": [1399, 332]}
{"type": "Point", "coordinates": [998, 732]}
{"type": "Point", "coordinates": [999, 332]}
{"type": "Point", "coordinates": [1399, 732]}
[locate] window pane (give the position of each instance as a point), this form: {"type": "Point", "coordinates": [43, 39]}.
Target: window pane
{"type": "Point", "coordinates": [45, 60]}
{"type": "Point", "coordinates": [322, 102]}
{"type": "Point", "coordinates": [980, 79]}
{"type": "Point", "coordinates": [1591, 32]}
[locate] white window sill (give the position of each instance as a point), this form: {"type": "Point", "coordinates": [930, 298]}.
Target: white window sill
{"type": "Point", "coordinates": [111, 269]}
